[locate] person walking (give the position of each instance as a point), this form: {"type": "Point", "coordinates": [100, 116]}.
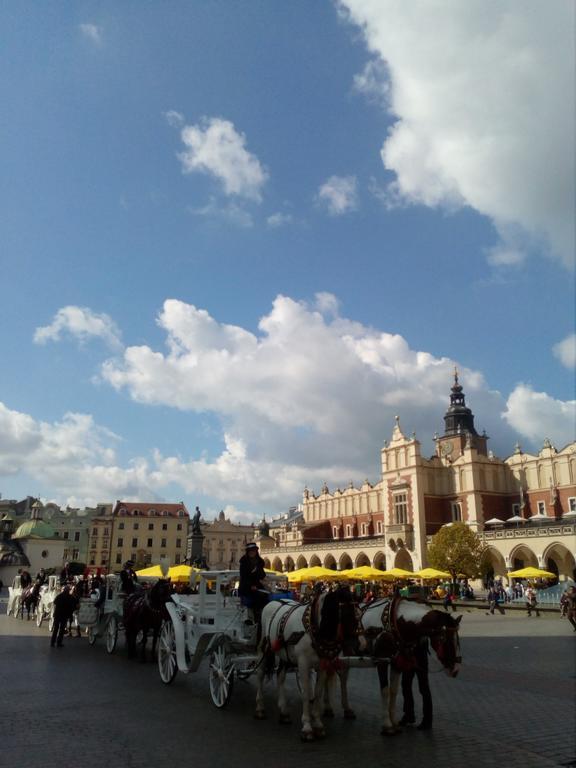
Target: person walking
{"type": "Point", "coordinates": [571, 606]}
{"type": "Point", "coordinates": [420, 671]}
{"type": "Point", "coordinates": [531, 601]}
{"type": "Point", "coordinates": [64, 607]}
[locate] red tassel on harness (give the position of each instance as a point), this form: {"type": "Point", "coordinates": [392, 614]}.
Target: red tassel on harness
{"type": "Point", "coordinates": [276, 645]}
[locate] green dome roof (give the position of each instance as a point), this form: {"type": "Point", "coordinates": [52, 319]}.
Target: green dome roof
{"type": "Point", "coordinates": [35, 529]}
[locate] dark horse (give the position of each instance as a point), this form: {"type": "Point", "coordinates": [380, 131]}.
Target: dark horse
{"type": "Point", "coordinates": [29, 600]}
{"type": "Point", "coordinates": [145, 611]}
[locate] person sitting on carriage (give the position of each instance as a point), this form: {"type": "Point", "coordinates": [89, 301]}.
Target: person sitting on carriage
{"type": "Point", "coordinates": [128, 578]}
{"type": "Point", "coordinates": [66, 574]}
{"type": "Point", "coordinates": [41, 577]}
{"type": "Point", "coordinates": [253, 593]}
{"type": "Point", "coordinates": [25, 579]}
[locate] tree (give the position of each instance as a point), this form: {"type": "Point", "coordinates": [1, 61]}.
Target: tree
{"type": "Point", "coordinates": [457, 549]}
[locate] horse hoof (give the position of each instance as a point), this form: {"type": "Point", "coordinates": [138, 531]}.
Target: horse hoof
{"type": "Point", "coordinates": [307, 736]}
{"type": "Point", "coordinates": [259, 715]}
{"type": "Point", "coordinates": [349, 714]}
{"type": "Point", "coordinates": [328, 712]}
{"type": "Point", "coordinates": [284, 718]}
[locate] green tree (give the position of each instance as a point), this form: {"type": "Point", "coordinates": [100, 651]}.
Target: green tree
{"type": "Point", "coordinates": [457, 549]}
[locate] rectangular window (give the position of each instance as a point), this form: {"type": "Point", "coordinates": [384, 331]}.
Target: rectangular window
{"type": "Point", "coordinates": [75, 553]}
{"type": "Point", "coordinates": [136, 526]}
{"type": "Point", "coordinates": [364, 529]}
{"type": "Point", "coordinates": [335, 532]}
{"type": "Point", "coordinates": [121, 526]}
{"type": "Point", "coordinates": [541, 507]}
{"type": "Point", "coordinates": [177, 560]}
{"type": "Point", "coordinates": [516, 509]}
{"type": "Point", "coordinates": [66, 534]}
{"type": "Point", "coordinates": [106, 532]}
{"type": "Point", "coordinates": [572, 504]}
{"type": "Point", "coordinates": [149, 544]}
{"type": "Point", "coordinates": [104, 560]}
{"type": "Point", "coordinates": [133, 557]}
{"type": "Point", "coordinates": [94, 531]}
{"type": "Point", "coordinates": [163, 543]}
{"type": "Point", "coordinates": [120, 543]}
{"type": "Point", "coordinates": [92, 561]}
{"type": "Point", "coordinates": [119, 558]}
{"type": "Point", "coordinates": [348, 531]}
{"type": "Point", "coordinates": [134, 542]}
{"type": "Point", "coordinates": [400, 508]}
{"type": "Point", "coordinates": [179, 527]}
{"type": "Point", "coordinates": [379, 526]}
{"type": "Point", "coordinates": [456, 511]}
{"type": "Point", "coordinates": [147, 558]}
{"type": "Point", "coordinates": [164, 526]}
{"type": "Point", "coordinates": [77, 536]}
{"type": "Point", "coordinates": [178, 543]}
{"type": "Point", "coordinates": [150, 526]}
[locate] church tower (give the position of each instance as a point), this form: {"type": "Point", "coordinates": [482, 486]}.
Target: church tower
{"type": "Point", "coordinates": [459, 430]}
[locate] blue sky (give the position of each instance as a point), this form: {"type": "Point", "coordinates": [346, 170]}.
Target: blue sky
{"type": "Point", "coordinates": [237, 239]}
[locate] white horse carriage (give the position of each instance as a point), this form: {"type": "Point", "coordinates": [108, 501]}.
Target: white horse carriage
{"type": "Point", "coordinates": [210, 623]}
{"type": "Point", "coordinates": [103, 617]}
{"type": "Point", "coordinates": [46, 602]}
{"type": "Point", "coordinates": [14, 600]}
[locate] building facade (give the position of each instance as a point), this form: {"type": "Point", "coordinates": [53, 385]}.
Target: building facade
{"type": "Point", "coordinates": [144, 532]}
{"type": "Point", "coordinates": [524, 506]}
{"type": "Point", "coordinates": [224, 542]}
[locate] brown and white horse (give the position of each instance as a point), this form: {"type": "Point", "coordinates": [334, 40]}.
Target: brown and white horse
{"type": "Point", "coordinates": [306, 637]}
{"type": "Point", "coordinates": [395, 627]}
{"type": "Point", "coordinates": [144, 611]}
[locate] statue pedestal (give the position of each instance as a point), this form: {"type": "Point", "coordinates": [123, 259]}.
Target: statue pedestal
{"type": "Point", "coordinates": [195, 546]}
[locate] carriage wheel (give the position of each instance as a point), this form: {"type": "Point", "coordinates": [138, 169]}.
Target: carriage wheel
{"type": "Point", "coordinates": [221, 675]}
{"type": "Point", "coordinates": [92, 635]}
{"type": "Point", "coordinates": [39, 617]}
{"type": "Point", "coordinates": [111, 634]}
{"type": "Point", "coordinates": [167, 664]}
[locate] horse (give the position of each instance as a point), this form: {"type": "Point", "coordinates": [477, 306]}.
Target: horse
{"type": "Point", "coordinates": [306, 637]}
{"type": "Point", "coordinates": [29, 600]}
{"type": "Point", "coordinates": [395, 627]}
{"type": "Point", "coordinates": [144, 611]}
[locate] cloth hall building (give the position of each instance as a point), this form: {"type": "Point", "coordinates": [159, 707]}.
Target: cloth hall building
{"type": "Point", "coordinates": [524, 506]}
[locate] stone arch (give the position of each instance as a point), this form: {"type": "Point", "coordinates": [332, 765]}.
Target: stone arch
{"type": "Point", "coordinates": [288, 564]}
{"type": "Point", "coordinates": [330, 562]}
{"type": "Point", "coordinates": [558, 559]}
{"type": "Point", "coordinates": [277, 564]}
{"type": "Point", "coordinates": [315, 561]}
{"type": "Point", "coordinates": [496, 563]}
{"type": "Point", "coordinates": [522, 557]}
{"type": "Point", "coordinates": [361, 559]}
{"type": "Point", "coordinates": [266, 563]}
{"type": "Point", "coordinates": [344, 562]}
{"type": "Point", "coordinates": [379, 561]}
{"type": "Point", "coordinates": [301, 562]}
{"type": "Point", "coordinates": [403, 560]}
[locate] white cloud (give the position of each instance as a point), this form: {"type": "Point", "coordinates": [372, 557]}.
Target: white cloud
{"type": "Point", "coordinates": [373, 82]}
{"type": "Point", "coordinates": [482, 95]}
{"type": "Point", "coordinates": [339, 194]}
{"type": "Point", "coordinates": [232, 213]}
{"type": "Point", "coordinates": [565, 351]}
{"type": "Point", "coordinates": [216, 148]}
{"type": "Point", "coordinates": [173, 118]}
{"type": "Point", "coordinates": [278, 220]}
{"type": "Point", "coordinates": [92, 32]}
{"type": "Point", "coordinates": [536, 415]}
{"type": "Point", "coordinates": [80, 322]}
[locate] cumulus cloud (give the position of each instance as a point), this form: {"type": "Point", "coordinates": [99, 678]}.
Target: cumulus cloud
{"type": "Point", "coordinates": [565, 351]}
{"type": "Point", "coordinates": [537, 415]}
{"type": "Point", "coordinates": [92, 32]}
{"type": "Point", "coordinates": [232, 213]}
{"type": "Point", "coordinates": [278, 220]}
{"type": "Point", "coordinates": [81, 323]}
{"type": "Point", "coordinates": [483, 117]}
{"type": "Point", "coordinates": [173, 118]}
{"type": "Point", "coordinates": [339, 194]}
{"type": "Point", "coordinates": [215, 147]}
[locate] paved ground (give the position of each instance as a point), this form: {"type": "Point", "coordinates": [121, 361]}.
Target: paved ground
{"type": "Point", "coordinates": [512, 705]}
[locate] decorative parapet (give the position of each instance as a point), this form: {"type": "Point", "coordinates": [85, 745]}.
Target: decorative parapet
{"type": "Point", "coordinates": [522, 533]}
{"type": "Point", "coordinates": [357, 543]}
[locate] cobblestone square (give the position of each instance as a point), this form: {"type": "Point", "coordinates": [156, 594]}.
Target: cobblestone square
{"type": "Point", "coordinates": [512, 704]}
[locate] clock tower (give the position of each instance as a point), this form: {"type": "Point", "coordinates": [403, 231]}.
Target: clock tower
{"type": "Point", "coordinates": [459, 430]}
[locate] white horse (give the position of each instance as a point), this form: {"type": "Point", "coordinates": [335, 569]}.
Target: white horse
{"type": "Point", "coordinates": [305, 637]}
{"type": "Point", "coordinates": [14, 600]}
{"type": "Point", "coordinates": [396, 625]}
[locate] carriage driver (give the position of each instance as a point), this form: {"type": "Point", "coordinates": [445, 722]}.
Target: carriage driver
{"type": "Point", "coordinates": [251, 589]}
{"type": "Point", "coordinates": [128, 578]}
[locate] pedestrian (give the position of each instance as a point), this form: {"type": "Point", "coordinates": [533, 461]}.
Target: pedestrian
{"type": "Point", "coordinates": [531, 601]}
{"type": "Point", "coordinates": [571, 606]}
{"type": "Point", "coordinates": [420, 671]}
{"type": "Point", "coordinates": [64, 607]}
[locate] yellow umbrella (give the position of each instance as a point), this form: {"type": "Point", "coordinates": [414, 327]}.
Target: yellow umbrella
{"type": "Point", "coordinates": [271, 572]}
{"type": "Point", "coordinates": [366, 573]}
{"type": "Point", "coordinates": [531, 573]}
{"type": "Point", "coordinates": [432, 573]}
{"type": "Point", "coordinates": [153, 571]}
{"type": "Point", "coordinates": [181, 573]}
{"type": "Point", "coordinates": [316, 573]}
{"type": "Point", "coordinates": [400, 573]}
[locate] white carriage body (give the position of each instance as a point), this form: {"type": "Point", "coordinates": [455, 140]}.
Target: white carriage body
{"type": "Point", "coordinates": [48, 594]}
{"type": "Point", "coordinates": [91, 616]}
